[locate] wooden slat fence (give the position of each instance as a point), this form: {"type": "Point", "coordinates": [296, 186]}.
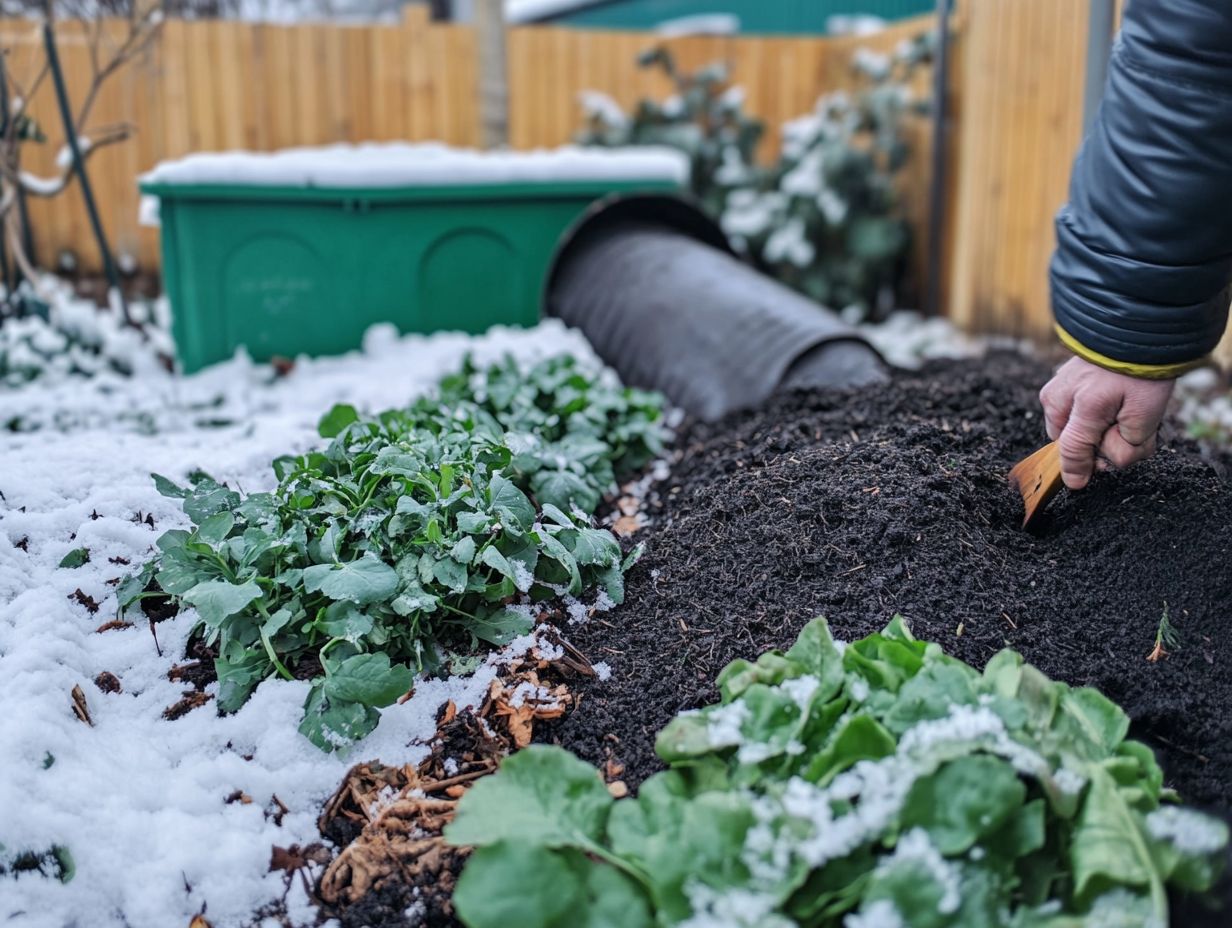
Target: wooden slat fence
{"type": "Point", "coordinates": [213, 85]}
{"type": "Point", "coordinates": [1018, 124]}
{"type": "Point", "coordinates": [217, 85]}
{"type": "Point", "coordinates": [1015, 97]}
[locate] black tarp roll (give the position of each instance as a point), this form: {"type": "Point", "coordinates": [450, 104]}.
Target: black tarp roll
{"type": "Point", "coordinates": [653, 285]}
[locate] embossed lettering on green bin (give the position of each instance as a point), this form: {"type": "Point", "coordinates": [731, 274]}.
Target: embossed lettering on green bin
{"type": "Point", "coordinates": [306, 270]}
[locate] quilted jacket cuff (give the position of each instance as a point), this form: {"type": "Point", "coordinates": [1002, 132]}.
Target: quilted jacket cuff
{"type": "Point", "coordinates": [1133, 369]}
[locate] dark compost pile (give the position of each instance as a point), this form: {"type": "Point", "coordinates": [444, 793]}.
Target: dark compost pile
{"type": "Point", "coordinates": [894, 500]}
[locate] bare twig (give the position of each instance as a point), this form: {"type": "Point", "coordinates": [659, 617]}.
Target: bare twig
{"type": "Point", "coordinates": [12, 227]}
{"type": "Point", "coordinates": [141, 32]}
{"type": "Point", "coordinates": [108, 54]}
{"type": "Point", "coordinates": [45, 187]}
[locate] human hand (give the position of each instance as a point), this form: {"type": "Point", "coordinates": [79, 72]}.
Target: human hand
{"type": "Point", "coordinates": [1101, 419]}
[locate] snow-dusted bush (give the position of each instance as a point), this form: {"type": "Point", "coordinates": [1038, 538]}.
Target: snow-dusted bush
{"type": "Point", "coordinates": [826, 219]}
{"type": "Point", "coordinates": [55, 334]}
{"type": "Point", "coordinates": [704, 118]}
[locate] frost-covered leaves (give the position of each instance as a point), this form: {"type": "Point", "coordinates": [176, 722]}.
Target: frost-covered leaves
{"type": "Point", "coordinates": [571, 432]}
{"type": "Point", "coordinates": [704, 118]}
{"type": "Point", "coordinates": [881, 783]}
{"type": "Point", "coordinates": [827, 218]}
{"type": "Point", "coordinates": [48, 334]}
{"type": "Point", "coordinates": [407, 538]}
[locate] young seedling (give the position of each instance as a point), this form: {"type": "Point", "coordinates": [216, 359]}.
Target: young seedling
{"type": "Point", "coordinates": [1167, 638]}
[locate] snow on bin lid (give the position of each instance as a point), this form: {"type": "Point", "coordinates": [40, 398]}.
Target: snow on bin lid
{"type": "Point", "coordinates": [402, 165]}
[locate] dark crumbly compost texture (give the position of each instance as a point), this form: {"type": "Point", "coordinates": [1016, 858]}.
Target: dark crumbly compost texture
{"type": "Point", "coordinates": [894, 500]}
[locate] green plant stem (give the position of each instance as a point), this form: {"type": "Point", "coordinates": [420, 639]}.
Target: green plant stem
{"type": "Point", "coordinates": [466, 615]}
{"type": "Point", "coordinates": [269, 645]}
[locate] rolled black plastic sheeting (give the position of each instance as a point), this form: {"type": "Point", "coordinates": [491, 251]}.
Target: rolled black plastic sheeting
{"type": "Point", "coordinates": [655, 287]}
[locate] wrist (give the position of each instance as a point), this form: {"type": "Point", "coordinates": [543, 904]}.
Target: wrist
{"type": "Point", "coordinates": [1128, 368]}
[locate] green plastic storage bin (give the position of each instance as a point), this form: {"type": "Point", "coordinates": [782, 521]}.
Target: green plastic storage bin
{"type": "Point", "coordinates": [306, 267]}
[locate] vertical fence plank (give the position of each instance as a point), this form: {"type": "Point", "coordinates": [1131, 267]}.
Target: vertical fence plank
{"type": "Point", "coordinates": [1020, 125]}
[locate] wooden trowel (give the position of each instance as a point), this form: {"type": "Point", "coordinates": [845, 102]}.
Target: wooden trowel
{"type": "Point", "coordinates": [1038, 478]}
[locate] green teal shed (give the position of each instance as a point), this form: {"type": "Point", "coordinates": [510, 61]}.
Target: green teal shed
{"type": "Point", "coordinates": [786, 17]}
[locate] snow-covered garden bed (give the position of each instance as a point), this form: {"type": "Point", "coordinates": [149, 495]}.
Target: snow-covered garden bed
{"type": "Point", "coordinates": [127, 800]}
{"type": "Point", "coordinates": [142, 803]}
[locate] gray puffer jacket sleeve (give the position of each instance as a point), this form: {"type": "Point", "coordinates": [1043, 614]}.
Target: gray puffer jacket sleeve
{"type": "Point", "coordinates": [1144, 247]}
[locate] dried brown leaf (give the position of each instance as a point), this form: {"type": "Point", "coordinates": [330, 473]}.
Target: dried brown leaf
{"type": "Point", "coordinates": [192, 699]}
{"type": "Point", "coordinates": [80, 708]}
{"type": "Point", "coordinates": [627, 526]}
{"type": "Point", "coordinates": [113, 625]}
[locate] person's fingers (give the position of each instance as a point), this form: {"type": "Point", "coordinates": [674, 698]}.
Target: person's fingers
{"type": "Point", "coordinates": [1121, 454]}
{"type": "Point", "coordinates": [1057, 398]}
{"type": "Point", "coordinates": [1142, 410]}
{"type": "Point", "coordinates": [1082, 436]}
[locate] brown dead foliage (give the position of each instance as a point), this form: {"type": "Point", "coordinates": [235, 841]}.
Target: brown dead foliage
{"type": "Point", "coordinates": [108, 682]}
{"type": "Point", "coordinates": [630, 520]}
{"type": "Point", "coordinates": [192, 699]}
{"type": "Point", "coordinates": [390, 819]}
{"type": "Point", "coordinates": [402, 836]}
{"type": "Point", "coordinates": [84, 599]}
{"type": "Point", "coordinates": [113, 625]}
{"type": "Point", "coordinates": [80, 708]}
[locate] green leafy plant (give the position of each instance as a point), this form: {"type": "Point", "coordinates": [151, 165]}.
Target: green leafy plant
{"type": "Point", "coordinates": [410, 539]}
{"type": "Point", "coordinates": [704, 118]}
{"type": "Point", "coordinates": [574, 432]}
{"type": "Point", "coordinates": [827, 218]}
{"type": "Point", "coordinates": [881, 783]}
{"type": "Point", "coordinates": [78, 557]}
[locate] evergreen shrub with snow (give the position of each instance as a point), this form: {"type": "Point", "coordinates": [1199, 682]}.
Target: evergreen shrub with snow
{"type": "Point", "coordinates": [879, 784]}
{"type": "Point", "coordinates": [704, 118]}
{"type": "Point", "coordinates": [59, 335]}
{"type": "Point", "coordinates": [826, 219]}
{"type": "Point", "coordinates": [415, 538]}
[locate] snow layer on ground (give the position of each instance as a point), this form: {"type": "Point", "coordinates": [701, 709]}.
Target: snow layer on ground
{"type": "Point", "coordinates": [528, 11]}
{"type": "Point", "coordinates": [398, 164]}
{"type": "Point", "coordinates": [700, 24]}
{"type": "Point", "coordinates": [907, 339]}
{"type": "Point", "coordinates": [139, 801]}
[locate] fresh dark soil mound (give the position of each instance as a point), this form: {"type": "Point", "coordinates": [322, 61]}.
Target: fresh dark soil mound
{"type": "Point", "coordinates": [894, 500]}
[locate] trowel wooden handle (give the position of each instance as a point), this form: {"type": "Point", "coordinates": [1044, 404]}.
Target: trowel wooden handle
{"type": "Point", "coordinates": [1038, 478]}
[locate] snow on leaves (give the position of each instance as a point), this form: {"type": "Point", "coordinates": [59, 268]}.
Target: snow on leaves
{"type": "Point", "coordinates": [403, 542]}
{"type": "Point", "coordinates": [939, 798]}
